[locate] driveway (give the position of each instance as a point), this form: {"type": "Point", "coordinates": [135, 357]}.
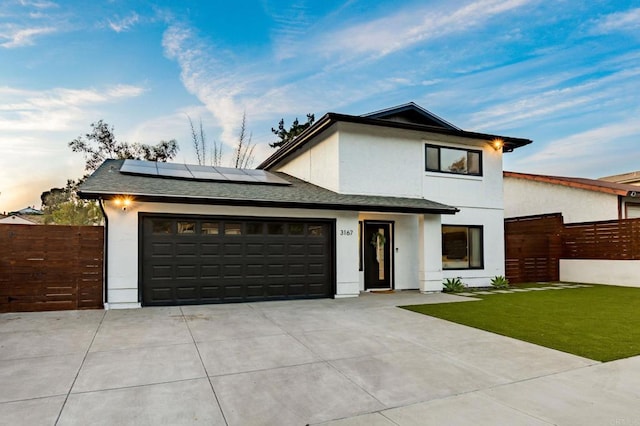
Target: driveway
{"type": "Point", "coordinates": [336, 362]}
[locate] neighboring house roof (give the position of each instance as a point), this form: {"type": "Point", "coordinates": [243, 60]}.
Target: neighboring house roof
{"type": "Point", "coordinates": [628, 178]}
{"type": "Point", "coordinates": [18, 220]}
{"type": "Point", "coordinates": [108, 182]}
{"type": "Point", "coordinates": [409, 116]}
{"type": "Point", "coordinates": [26, 210]}
{"type": "Point", "coordinates": [596, 185]}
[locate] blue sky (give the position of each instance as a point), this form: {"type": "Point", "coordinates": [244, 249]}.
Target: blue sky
{"type": "Point", "coordinates": [563, 73]}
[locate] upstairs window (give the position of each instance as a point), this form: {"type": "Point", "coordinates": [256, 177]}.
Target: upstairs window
{"type": "Point", "coordinates": [453, 160]}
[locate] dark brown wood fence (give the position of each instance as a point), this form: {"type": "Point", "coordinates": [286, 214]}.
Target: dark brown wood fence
{"type": "Point", "coordinates": [533, 247]}
{"type": "Point", "coordinates": [611, 240]}
{"type": "Point", "coordinates": [45, 268]}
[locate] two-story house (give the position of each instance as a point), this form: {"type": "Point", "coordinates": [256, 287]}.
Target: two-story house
{"type": "Point", "coordinates": [396, 199]}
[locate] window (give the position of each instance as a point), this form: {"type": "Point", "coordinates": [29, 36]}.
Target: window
{"type": "Point", "coordinates": [453, 160]}
{"type": "Point", "coordinates": [254, 228]}
{"type": "Point", "coordinates": [232, 229]}
{"type": "Point", "coordinates": [209, 228]}
{"type": "Point", "coordinates": [161, 226]}
{"type": "Point", "coordinates": [462, 247]}
{"type": "Point", "coordinates": [296, 229]}
{"type": "Point", "coordinates": [275, 228]}
{"type": "Point", "coordinates": [186, 227]}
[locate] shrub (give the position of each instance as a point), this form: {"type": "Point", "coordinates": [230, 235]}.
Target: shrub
{"type": "Point", "coordinates": [453, 285]}
{"type": "Point", "coordinates": [499, 282]}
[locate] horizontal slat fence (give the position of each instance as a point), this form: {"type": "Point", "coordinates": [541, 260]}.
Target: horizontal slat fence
{"type": "Point", "coordinates": [45, 268]}
{"type": "Point", "coordinates": [606, 240]}
{"type": "Point", "coordinates": [533, 246]}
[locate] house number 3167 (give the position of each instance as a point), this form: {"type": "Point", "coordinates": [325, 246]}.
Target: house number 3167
{"type": "Point", "coordinates": [346, 232]}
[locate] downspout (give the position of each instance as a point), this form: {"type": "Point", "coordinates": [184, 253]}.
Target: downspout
{"type": "Point", "coordinates": [620, 207]}
{"type": "Point", "coordinates": [106, 254]}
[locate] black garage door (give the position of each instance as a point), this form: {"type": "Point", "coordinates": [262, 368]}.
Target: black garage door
{"type": "Point", "coordinates": [188, 260]}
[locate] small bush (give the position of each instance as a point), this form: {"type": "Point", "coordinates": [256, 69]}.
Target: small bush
{"type": "Point", "coordinates": [453, 285]}
{"type": "Point", "coordinates": [499, 282]}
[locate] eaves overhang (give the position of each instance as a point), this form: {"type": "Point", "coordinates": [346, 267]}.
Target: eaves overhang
{"type": "Point", "coordinates": [329, 119]}
{"type": "Point", "coordinates": [181, 199]}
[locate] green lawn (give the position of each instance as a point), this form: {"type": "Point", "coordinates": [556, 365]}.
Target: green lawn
{"type": "Point", "coordinates": [600, 322]}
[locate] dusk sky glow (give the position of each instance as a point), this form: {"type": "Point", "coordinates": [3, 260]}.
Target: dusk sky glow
{"type": "Point", "coordinates": [565, 74]}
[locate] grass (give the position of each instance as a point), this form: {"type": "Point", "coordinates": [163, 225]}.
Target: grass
{"type": "Point", "coordinates": [600, 322]}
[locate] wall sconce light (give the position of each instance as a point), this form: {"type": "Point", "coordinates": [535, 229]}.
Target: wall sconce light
{"type": "Point", "coordinates": [123, 202]}
{"type": "Point", "coordinates": [497, 144]}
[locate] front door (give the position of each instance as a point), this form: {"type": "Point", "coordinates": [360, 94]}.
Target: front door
{"type": "Point", "coordinates": [377, 255]}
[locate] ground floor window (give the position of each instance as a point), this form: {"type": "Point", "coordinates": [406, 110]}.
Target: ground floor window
{"type": "Point", "coordinates": [462, 247]}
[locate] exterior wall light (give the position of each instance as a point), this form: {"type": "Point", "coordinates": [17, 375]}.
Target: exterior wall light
{"type": "Point", "coordinates": [123, 202]}
{"type": "Point", "coordinates": [497, 144]}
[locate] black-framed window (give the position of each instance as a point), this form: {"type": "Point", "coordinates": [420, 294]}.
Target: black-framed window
{"type": "Point", "coordinates": [453, 160]}
{"type": "Point", "coordinates": [462, 247]}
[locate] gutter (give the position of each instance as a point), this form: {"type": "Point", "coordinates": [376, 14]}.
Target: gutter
{"type": "Point", "coordinates": [105, 256]}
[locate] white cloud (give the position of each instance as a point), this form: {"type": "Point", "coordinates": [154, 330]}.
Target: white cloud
{"type": "Point", "coordinates": [124, 24]}
{"type": "Point", "coordinates": [413, 25]}
{"type": "Point", "coordinates": [55, 109]}
{"type": "Point", "coordinates": [621, 21]}
{"type": "Point", "coordinates": [39, 4]}
{"type": "Point", "coordinates": [23, 36]}
{"type": "Point", "coordinates": [578, 153]}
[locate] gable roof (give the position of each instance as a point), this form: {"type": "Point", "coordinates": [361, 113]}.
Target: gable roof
{"type": "Point", "coordinates": [621, 189]}
{"type": "Point", "coordinates": [411, 113]}
{"type": "Point", "coordinates": [108, 182]}
{"type": "Point", "coordinates": [627, 178]}
{"type": "Point", "coordinates": [409, 116]}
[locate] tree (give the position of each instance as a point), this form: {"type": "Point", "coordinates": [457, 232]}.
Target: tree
{"type": "Point", "coordinates": [62, 206]}
{"type": "Point", "coordinates": [296, 128]}
{"type": "Point", "coordinates": [101, 144]}
{"type": "Point", "coordinates": [200, 144]}
{"type": "Point", "coordinates": [243, 152]}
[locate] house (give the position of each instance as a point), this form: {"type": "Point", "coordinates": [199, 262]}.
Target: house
{"type": "Point", "coordinates": [631, 178]}
{"type": "Point", "coordinates": [15, 219]}
{"type": "Point", "coordinates": [27, 211]}
{"type": "Point", "coordinates": [396, 199]}
{"type": "Point", "coordinates": [578, 199]}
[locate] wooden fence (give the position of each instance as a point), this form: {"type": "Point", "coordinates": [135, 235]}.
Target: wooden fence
{"type": "Point", "coordinates": [45, 268]}
{"type": "Point", "coordinates": [534, 245]}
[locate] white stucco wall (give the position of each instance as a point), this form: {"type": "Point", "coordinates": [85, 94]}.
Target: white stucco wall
{"type": "Point", "coordinates": [122, 263]}
{"type": "Point", "coordinates": [624, 273]}
{"type": "Point", "coordinates": [317, 163]}
{"type": "Point", "coordinates": [524, 197]}
{"type": "Point", "coordinates": [391, 162]}
{"type": "Point", "coordinates": [380, 161]}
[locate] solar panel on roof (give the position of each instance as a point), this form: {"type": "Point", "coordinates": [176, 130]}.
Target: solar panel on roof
{"type": "Point", "coordinates": [200, 173]}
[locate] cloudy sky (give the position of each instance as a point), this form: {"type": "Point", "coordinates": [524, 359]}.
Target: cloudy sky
{"type": "Point", "coordinates": [563, 73]}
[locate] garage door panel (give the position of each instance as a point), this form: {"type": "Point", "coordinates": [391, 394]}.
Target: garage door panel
{"type": "Point", "coordinates": [210, 271]}
{"type": "Point", "coordinates": [214, 260]}
{"type": "Point", "coordinates": [209, 249]}
{"type": "Point", "coordinates": [186, 249]}
{"type": "Point", "coordinates": [161, 249]}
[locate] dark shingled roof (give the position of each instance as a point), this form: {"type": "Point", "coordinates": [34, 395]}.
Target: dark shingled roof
{"type": "Point", "coordinates": [107, 182]}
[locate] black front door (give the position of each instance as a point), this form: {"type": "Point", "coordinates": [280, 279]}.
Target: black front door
{"type": "Point", "coordinates": [377, 255]}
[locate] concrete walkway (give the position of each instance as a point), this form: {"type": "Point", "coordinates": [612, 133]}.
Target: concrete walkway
{"type": "Point", "coordinates": [334, 362]}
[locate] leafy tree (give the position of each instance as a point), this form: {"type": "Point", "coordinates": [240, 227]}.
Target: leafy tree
{"type": "Point", "coordinates": [296, 128]}
{"type": "Point", "coordinates": [62, 206]}
{"type": "Point", "coordinates": [243, 152]}
{"type": "Point", "coordinates": [101, 144]}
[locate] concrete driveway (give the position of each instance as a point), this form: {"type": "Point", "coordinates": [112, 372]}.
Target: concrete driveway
{"type": "Point", "coordinates": [344, 362]}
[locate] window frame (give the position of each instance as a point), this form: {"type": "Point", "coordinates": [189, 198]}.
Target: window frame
{"type": "Point", "coordinates": [482, 248]}
{"type": "Point", "coordinates": [439, 169]}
